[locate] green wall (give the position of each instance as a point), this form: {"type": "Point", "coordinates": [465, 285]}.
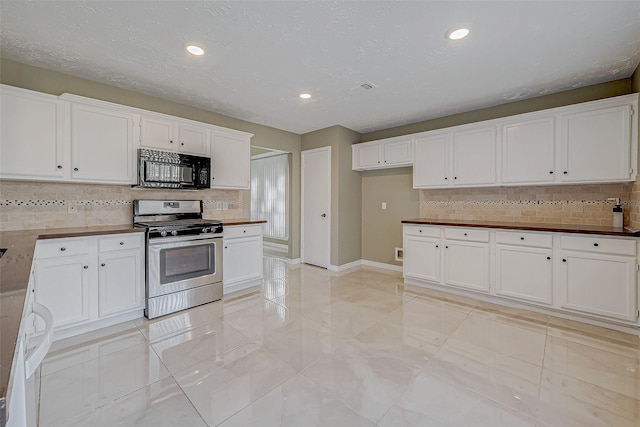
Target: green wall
{"type": "Point", "coordinates": [38, 79]}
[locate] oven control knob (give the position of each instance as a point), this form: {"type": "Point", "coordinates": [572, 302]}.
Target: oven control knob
{"type": "Point", "coordinates": [174, 232]}
{"type": "Point", "coordinates": [205, 230]}
{"type": "Point", "coordinates": [163, 233]}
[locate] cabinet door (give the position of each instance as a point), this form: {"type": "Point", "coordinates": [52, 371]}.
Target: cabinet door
{"type": "Point", "coordinates": [101, 145]}
{"type": "Point", "coordinates": [242, 260]}
{"type": "Point", "coordinates": [474, 156]}
{"type": "Point", "coordinates": [156, 132]}
{"type": "Point", "coordinates": [397, 153]}
{"type": "Point", "coordinates": [62, 285]}
{"type": "Point", "coordinates": [528, 151]}
{"type": "Point", "coordinates": [367, 155]}
{"type": "Point", "coordinates": [599, 284]}
{"type": "Point", "coordinates": [193, 140]}
{"type": "Point", "coordinates": [422, 258]}
{"type": "Point", "coordinates": [431, 162]}
{"type": "Point", "coordinates": [596, 145]}
{"type": "Point", "coordinates": [31, 144]}
{"type": "Point", "coordinates": [524, 273]}
{"type": "Point", "coordinates": [230, 161]}
{"type": "Point", "coordinates": [119, 282]}
{"type": "Point", "coordinates": [467, 265]}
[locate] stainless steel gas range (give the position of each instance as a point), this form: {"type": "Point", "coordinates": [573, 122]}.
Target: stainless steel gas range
{"type": "Point", "coordinates": [184, 255]}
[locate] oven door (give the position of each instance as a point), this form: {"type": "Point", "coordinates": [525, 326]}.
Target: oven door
{"type": "Point", "coordinates": [179, 263]}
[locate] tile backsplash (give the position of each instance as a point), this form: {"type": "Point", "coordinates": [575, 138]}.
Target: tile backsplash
{"type": "Point", "coordinates": [29, 205]}
{"type": "Point", "coordinates": [562, 204]}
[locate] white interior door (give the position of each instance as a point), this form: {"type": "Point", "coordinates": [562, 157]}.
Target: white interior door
{"type": "Point", "coordinates": [316, 206]}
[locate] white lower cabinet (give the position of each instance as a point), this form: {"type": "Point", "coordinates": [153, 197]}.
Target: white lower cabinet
{"type": "Point", "coordinates": [524, 266]}
{"type": "Point", "coordinates": [598, 276]}
{"type": "Point", "coordinates": [592, 277]}
{"type": "Point", "coordinates": [90, 282]}
{"type": "Point", "coordinates": [467, 265]}
{"type": "Point", "coordinates": [62, 285]}
{"type": "Point", "coordinates": [242, 259]}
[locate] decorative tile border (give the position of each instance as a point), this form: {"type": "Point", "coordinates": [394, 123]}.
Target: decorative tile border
{"type": "Point", "coordinates": [37, 202]}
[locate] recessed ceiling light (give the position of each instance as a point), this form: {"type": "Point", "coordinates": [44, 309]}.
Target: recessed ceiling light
{"type": "Point", "coordinates": [305, 95]}
{"type": "Point", "coordinates": [195, 50]}
{"type": "Point", "coordinates": [457, 33]}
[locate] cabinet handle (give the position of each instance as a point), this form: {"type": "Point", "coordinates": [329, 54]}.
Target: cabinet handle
{"type": "Point", "coordinates": [420, 231]}
{"type": "Point", "coordinates": [437, 246]}
{"type": "Point", "coordinates": [170, 142]}
{"type": "Point", "coordinates": [182, 143]}
{"type": "Point", "coordinates": [75, 169]}
{"type": "Point", "coordinates": [564, 260]}
{"type": "Point", "coordinates": [63, 249]}
{"type": "Point", "coordinates": [85, 267]}
{"type": "Point", "coordinates": [548, 257]}
{"type": "Point", "coordinates": [595, 244]}
{"type": "Point", "coordinates": [121, 243]}
{"type": "Point", "coordinates": [455, 177]}
{"type": "Point", "coordinates": [446, 247]}
{"type": "Point", "coordinates": [565, 172]}
{"type": "Point", "coordinates": [102, 265]}
{"type": "Point", "coordinates": [522, 238]}
{"type": "Point", "coordinates": [445, 178]}
{"type": "Point", "coordinates": [225, 247]}
{"type": "Point", "coordinates": [465, 234]}
{"type": "Point", "coordinates": [550, 172]}
{"type": "Point", "coordinates": [244, 231]}
{"type": "Point", "coordinates": [385, 161]}
{"type": "Point", "coordinates": [59, 166]}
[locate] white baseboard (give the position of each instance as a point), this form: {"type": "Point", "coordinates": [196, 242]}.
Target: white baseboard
{"type": "Point", "coordinates": [346, 266]}
{"type": "Point", "coordinates": [382, 265]}
{"type": "Point", "coordinates": [293, 261]}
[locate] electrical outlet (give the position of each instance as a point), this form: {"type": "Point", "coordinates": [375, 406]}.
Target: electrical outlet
{"type": "Point", "coordinates": [72, 207]}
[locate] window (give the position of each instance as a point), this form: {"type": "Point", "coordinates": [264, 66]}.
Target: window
{"type": "Point", "coordinates": [269, 184]}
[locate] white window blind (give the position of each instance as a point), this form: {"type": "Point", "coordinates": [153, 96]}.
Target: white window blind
{"type": "Point", "coordinates": [269, 184]}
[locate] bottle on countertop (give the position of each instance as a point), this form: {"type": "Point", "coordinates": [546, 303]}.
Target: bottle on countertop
{"type": "Point", "coordinates": [618, 219]}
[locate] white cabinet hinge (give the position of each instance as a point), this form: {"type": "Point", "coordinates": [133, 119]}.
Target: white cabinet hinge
{"type": "Point", "coordinates": [637, 313]}
{"type": "Point", "coordinates": [631, 111]}
{"type": "Point", "coordinates": [637, 267]}
{"type": "Point", "coordinates": [631, 171]}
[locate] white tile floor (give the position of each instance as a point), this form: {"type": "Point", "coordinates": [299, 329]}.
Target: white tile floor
{"type": "Point", "coordinates": [312, 348]}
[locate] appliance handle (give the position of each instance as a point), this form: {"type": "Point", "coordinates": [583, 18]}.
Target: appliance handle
{"type": "Point", "coordinates": [37, 356]}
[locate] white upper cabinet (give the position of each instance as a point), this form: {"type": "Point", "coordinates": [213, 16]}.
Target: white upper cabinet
{"type": "Point", "coordinates": [31, 135]}
{"type": "Point", "coordinates": [101, 144]}
{"type": "Point", "coordinates": [463, 158]}
{"type": "Point", "coordinates": [171, 134]}
{"type": "Point", "coordinates": [431, 166]}
{"type": "Point", "coordinates": [230, 160]}
{"type": "Point", "coordinates": [528, 151]}
{"type": "Point", "coordinates": [474, 157]}
{"type": "Point", "coordinates": [596, 144]}
{"type": "Point", "coordinates": [386, 153]}
{"type": "Point", "coordinates": [590, 142]}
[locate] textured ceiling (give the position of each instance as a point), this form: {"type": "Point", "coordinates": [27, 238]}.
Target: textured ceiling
{"type": "Point", "coordinates": [261, 55]}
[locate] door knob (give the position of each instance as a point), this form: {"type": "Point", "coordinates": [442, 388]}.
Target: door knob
{"type": "Point", "coordinates": [323, 215]}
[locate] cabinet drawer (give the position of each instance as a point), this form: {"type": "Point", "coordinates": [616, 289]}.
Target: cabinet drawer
{"type": "Point", "coordinates": [524, 239]}
{"type": "Point", "coordinates": [120, 241]}
{"type": "Point", "coordinates": [598, 244]}
{"type": "Point", "coordinates": [423, 231]}
{"type": "Point", "coordinates": [242, 231]}
{"type": "Point", "coordinates": [61, 248]}
{"type": "Point", "coordinates": [469, 234]}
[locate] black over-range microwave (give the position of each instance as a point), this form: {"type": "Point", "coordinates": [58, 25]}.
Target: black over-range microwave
{"type": "Point", "coordinates": [163, 169]}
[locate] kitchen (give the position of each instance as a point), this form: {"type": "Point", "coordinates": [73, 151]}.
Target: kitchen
{"type": "Point", "coordinates": [375, 232]}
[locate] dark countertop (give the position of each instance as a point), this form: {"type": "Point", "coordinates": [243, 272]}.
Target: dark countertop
{"type": "Point", "coordinates": [15, 267]}
{"type": "Point", "coordinates": [531, 226]}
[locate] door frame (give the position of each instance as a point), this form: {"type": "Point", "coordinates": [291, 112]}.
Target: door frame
{"type": "Point", "coordinates": [302, 199]}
